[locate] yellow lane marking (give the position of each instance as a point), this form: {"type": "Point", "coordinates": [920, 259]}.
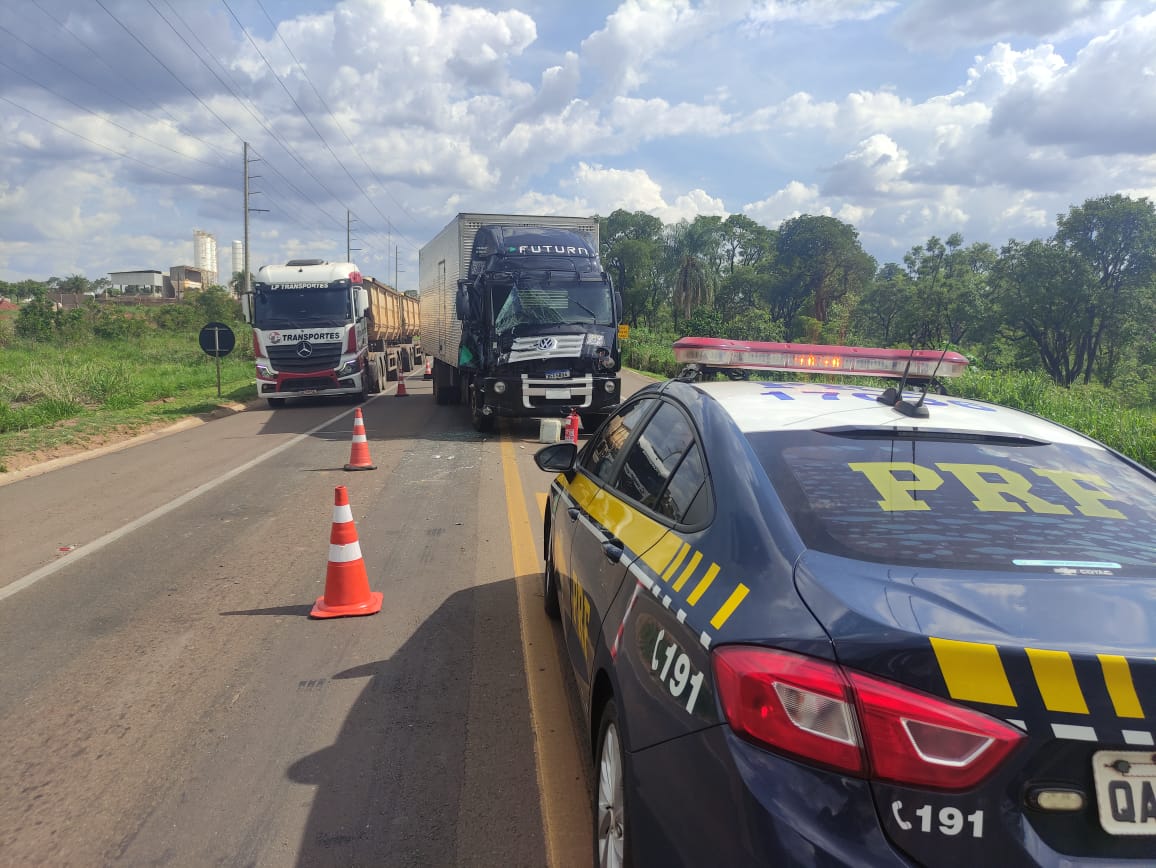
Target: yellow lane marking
{"type": "Point", "coordinates": [1056, 677]}
{"type": "Point", "coordinates": [543, 498]}
{"type": "Point", "coordinates": [973, 671]}
{"type": "Point", "coordinates": [557, 761]}
{"type": "Point", "coordinates": [1118, 677]}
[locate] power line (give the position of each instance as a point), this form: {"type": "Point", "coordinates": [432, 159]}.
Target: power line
{"type": "Point", "coordinates": [302, 112]}
{"type": "Point", "coordinates": [102, 147]}
{"type": "Point", "coordinates": [336, 123]}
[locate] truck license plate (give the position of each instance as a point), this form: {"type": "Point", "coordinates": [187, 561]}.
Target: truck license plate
{"type": "Point", "coordinates": [557, 394]}
{"type": "Point", "coordinates": [1126, 791]}
{"type": "Point", "coordinates": [557, 375]}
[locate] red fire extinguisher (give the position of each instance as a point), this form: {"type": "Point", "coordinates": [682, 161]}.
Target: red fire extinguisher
{"type": "Point", "coordinates": [572, 427]}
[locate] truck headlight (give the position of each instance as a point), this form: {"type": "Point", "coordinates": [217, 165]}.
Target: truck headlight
{"type": "Point", "coordinates": [265, 372]}
{"type": "Point", "coordinates": [349, 368]}
{"type": "Point", "coordinates": [610, 385]}
{"type": "Point", "coordinates": [499, 387]}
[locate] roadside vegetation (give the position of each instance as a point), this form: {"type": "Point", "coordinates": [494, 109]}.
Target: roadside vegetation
{"type": "Point", "coordinates": [1060, 327]}
{"type": "Point", "coordinates": [69, 379]}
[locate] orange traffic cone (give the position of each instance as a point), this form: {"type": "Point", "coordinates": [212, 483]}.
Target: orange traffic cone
{"type": "Point", "coordinates": [401, 393]}
{"type": "Point", "coordinates": [428, 369]}
{"type": "Point", "coordinates": [359, 451]}
{"type": "Point", "coordinates": [346, 583]}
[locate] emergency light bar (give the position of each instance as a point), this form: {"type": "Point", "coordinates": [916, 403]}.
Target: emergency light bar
{"type": "Point", "coordinates": [814, 358]}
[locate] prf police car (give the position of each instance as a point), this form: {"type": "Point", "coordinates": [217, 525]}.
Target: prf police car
{"type": "Point", "coordinates": [828, 625]}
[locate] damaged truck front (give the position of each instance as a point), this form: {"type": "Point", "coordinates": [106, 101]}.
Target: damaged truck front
{"type": "Point", "coordinates": [520, 318]}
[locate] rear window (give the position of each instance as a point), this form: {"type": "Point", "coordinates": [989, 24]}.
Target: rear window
{"type": "Point", "coordinates": [964, 504]}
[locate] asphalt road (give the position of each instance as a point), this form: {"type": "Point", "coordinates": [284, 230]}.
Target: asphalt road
{"type": "Point", "coordinates": [166, 700]}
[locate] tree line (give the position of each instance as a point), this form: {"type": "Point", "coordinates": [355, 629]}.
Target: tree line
{"type": "Point", "coordinates": [1077, 305]}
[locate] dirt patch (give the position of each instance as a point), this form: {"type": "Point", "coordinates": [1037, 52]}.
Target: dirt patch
{"type": "Point", "coordinates": [23, 460]}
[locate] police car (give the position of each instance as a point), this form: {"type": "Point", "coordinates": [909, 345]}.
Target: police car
{"type": "Point", "coordinates": [820, 624]}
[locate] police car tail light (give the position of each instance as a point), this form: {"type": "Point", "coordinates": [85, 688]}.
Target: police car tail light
{"type": "Point", "coordinates": [855, 723]}
{"type": "Point", "coordinates": [790, 703]}
{"type": "Point", "coordinates": [920, 740]}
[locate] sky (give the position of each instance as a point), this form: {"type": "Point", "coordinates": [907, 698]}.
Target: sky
{"type": "Point", "coordinates": [122, 122]}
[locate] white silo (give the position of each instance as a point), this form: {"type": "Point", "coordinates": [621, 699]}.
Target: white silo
{"type": "Point", "coordinates": [205, 256]}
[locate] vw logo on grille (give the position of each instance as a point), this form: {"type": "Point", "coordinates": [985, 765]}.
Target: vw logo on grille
{"type": "Point", "coordinates": [547, 343]}
{"type": "Point", "coordinates": [304, 349]}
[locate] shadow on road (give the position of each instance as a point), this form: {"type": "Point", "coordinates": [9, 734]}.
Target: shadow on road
{"type": "Point", "coordinates": [435, 763]}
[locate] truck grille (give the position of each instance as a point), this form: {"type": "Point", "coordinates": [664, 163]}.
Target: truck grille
{"type": "Point", "coordinates": [323, 358]}
{"type": "Point", "coordinates": [546, 347]}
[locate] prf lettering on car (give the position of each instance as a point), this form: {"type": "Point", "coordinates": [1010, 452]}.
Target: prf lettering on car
{"type": "Point", "coordinates": [995, 489]}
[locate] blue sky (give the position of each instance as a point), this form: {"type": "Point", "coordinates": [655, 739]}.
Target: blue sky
{"type": "Point", "coordinates": [122, 120]}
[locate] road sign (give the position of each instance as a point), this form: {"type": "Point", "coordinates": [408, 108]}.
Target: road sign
{"type": "Point", "coordinates": [623, 332]}
{"type": "Point", "coordinates": [217, 339]}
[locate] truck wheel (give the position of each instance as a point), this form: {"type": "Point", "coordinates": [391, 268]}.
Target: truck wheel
{"type": "Point", "coordinates": [276, 402]}
{"type": "Point", "coordinates": [440, 389]}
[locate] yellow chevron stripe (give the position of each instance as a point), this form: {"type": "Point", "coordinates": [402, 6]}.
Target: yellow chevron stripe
{"type": "Point", "coordinates": [1118, 678]}
{"type": "Point", "coordinates": [1056, 677]}
{"type": "Point", "coordinates": [728, 608]}
{"type": "Point", "coordinates": [701, 587]}
{"type": "Point", "coordinates": [688, 572]}
{"type": "Point", "coordinates": [973, 672]}
{"type": "Point", "coordinates": [675, 563]}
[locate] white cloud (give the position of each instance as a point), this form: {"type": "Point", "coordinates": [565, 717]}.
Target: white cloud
{"type": "Point", "coordinates": [949, 23]}
{"type": "Point", "coordinates": [819, 13]}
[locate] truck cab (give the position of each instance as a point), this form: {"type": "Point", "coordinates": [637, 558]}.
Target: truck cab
{"type": "Point", "coordinates": [539, 326]}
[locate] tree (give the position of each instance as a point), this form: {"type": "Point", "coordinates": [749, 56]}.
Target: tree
{"type": "Point", "coordinates": [745, 242]}
{"type": "Point", "coordinates": [694, 251]}
{"type": "Point", "coordinates": [1042, 290]}
{"type": "Point", "coordinates": [819, 261]}
{"type": "Point", "coordinates": [631, 248]}
{"type": "Point", "coordinates": [881, 315]}
{"type": "Point", "coordinates": [1116, 237]}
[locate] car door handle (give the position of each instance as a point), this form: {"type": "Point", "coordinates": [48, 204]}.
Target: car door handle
{"type": "Point", "coordinates": [573, 512]}
{"type": "Point", "coordinates": [612, 548]}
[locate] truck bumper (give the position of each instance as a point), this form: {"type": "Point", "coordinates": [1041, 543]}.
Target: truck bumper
{"type": "Point", "coordinates": [535, 396]}
{"type": "Point", "coordinates": [313, 384]}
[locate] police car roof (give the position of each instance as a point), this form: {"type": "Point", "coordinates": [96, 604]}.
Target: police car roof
{"type": "Point", "coordinates": [769, 405]}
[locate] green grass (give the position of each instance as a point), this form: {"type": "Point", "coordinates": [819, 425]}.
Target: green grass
{"type": "Point", "coordinates": [69, 393]}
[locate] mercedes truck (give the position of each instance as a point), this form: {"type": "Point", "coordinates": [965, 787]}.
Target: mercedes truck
{"type": "Point", "coordinates": [321, 329]}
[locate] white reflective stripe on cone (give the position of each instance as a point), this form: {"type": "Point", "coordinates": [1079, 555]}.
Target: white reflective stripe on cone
{"type": "Point", "coordinates": [344, 554]}
{"type": "Point", "coordinates": [342, 514]}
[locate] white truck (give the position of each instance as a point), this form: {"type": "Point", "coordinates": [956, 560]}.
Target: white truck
{"type": "Point", "coordinates": [320, 328]}
{"type": "Point", "coordinates": [520, 317]}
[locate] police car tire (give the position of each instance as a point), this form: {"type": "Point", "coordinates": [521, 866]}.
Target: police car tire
{"type": "Point", "coordinates": [609, 719]}
{"type": "Point", "coordinates": [550, 587]}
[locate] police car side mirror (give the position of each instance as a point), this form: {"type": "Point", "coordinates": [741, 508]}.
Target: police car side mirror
{"type": "Point", "coordinates": [557, 458]}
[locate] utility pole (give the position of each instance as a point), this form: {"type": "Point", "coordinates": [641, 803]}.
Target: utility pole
{"type": "Point", "coordinates": [349, 251]}
{"type": "Point", "coordinates": [246, 286]}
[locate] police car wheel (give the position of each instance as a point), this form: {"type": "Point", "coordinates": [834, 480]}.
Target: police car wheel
{"type": "Point", "coordinates": [550, 587]}
{"type": "Point", "coordinates": [610, 831]}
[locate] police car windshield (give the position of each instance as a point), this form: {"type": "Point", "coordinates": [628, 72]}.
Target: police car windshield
{"type": "Point", "coordinates": [974, 505]}
{"type": "Point", "coordinates": [554, 303]}
{"type": "Point", "coordinates": [288, 308]}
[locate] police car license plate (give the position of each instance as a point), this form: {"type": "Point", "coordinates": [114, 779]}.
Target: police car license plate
{"type": "Point", "coordinates": [1126, 791]}
{"type": "Point", "coordinates": [557, 394]}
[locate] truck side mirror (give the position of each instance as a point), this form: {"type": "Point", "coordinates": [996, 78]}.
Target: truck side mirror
{"type": "Point", "coordinates": [362, 302]}
{"type": "Point", "coordinates": [247, 307]}
{"type": "Point", "coordinates": [617, 306]}
{"type": "Point", "coordinates": [463, 302]}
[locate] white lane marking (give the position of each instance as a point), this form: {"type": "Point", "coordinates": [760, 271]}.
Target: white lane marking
{"type": "Point", "coordinates": [161, 511]}
{"type": "Point", "coordinates": [1136, 736]}
{"type": "Point", "coordinates": [705, 640]}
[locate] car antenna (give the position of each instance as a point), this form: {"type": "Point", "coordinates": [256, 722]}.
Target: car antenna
{"type": "Point", "coordinates": [918, 410]}
{"type": "Point", "coordinates": [891, 396]}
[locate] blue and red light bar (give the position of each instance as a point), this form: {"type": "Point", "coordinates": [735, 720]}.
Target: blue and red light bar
{"type": "Point", "coordinates": [818, 358]}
